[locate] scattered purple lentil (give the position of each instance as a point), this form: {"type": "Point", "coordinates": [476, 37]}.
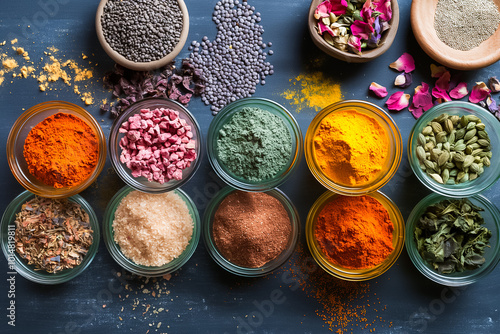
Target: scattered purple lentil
{"type": "Point", "coordinates": [142, 30]}
{"type": "Point", "coordinates": [234, 63]}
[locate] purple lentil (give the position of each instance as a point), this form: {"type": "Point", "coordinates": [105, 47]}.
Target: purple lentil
{"type": "Point", "coordinates": [233, 62]}
{"type": "Point", "coordinates": [142, 30]}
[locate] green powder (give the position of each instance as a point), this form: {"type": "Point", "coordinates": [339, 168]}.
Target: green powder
{"type": "Point", "coordinates": [255, 144]}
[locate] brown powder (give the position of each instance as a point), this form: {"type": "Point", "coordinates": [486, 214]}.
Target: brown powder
{"type": "Point", "coordinates": [251, 229]}
{"type": "Point", "coordinates": [152, 229]}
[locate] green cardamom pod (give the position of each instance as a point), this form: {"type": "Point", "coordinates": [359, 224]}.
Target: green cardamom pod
{"type": "Point", "coordinates": [436, 177]}
{"type": "Point", "coordinates": [451, 137]}
{"type": "Point", "coordinates": [464, 120]}
{"type": "Point", "coordinates": [448, 125]}
{"type": "Point", "coordinates": [465, 178]}
{"type": "Point", "coordinates": [441, 118]}
{"type": "Point", "coordinates": [469, 134]}
{"type": "Point", "coordinates": [474, 167]}
{"type": "Point", "coordinates": [429, 164]}
{"type": "Point", "coordinates": [468, 160]}
{"type": "Point", "coordinates": [427, 131]}
{"type": "Point", "coordinates": [421, 153]}
{"type": "Point", "coordinates": [447, 146]}
{"type": "Point", "coordinates": [436, 127]}
{"type": "Point", "coordinates": [454, 172]}
{"type": "Point", "coordinates": [483, 142]}
{"type": "Point", "coordinates": [455, 119]}
{"type": "Point", "coordinates": [443, 158]}
{"type": "Point", "coordinates": [476, 152]}
{"type": "Point", "coordinates": [473, 118]}
{"type": "Point", "coordinates": [449, 165]}
{"type": "Point", "coordinates": [451, 180]}
{"type": "Point", "coordinates": [459, 147]}
{"type": "Point", "coordinates": [480, 126]}
{"type": "Point", "coordinates": [471, 125]}
{"type": "Point", "coordinates": [445, 175]}
{"type": "Point", "coordinates": [421, 139]}
{"type": "Point", "coordinates": [460, 134]}
{"type": "Point", "coordinates": [441, 137]}
{"type": "Point", "coordinates": [486, 161]}
{"type": "Point", "coordinates": [472, 140]}
{"type": "Point", "coordinates": [459, 157]}
{"type": "Point", "coordinates": [473, 176]}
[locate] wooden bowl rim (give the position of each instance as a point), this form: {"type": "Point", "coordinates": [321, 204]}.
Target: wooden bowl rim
{"type": "Point", "coordinates": [143, 66]}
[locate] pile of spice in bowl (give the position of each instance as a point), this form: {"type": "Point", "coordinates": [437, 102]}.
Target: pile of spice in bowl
{"type": "Point", "coordinates": [151, 234]}
{"type": "Point", "coordinates": [49, 240]}
{"type": "Point", "coordinates": [56, 149]}
{"type": "Point", "coordinates": [142, 35]}
{"type": "Point", "coordinates": [250, 233]}
{"type": "Point", "coordinates": [155, 145]}
{"type": "Point", "coordinates": [254, 144]}
{"type": "Point", "coordinates": [451, 149]}
{"type": "Point", "coordinates": [353, 147]}
{"type": "Point", "coordinates": [454, 241]}
{"type": "Point", "coordinates": [355, 238]}
{"type": "Point", "coordinates": [353, 31]}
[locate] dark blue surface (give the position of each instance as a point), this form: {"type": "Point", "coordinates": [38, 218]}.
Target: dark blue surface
{"type": "Point", "coordinates": [204, 298]}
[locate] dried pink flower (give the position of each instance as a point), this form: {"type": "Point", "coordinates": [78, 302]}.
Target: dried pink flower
{"type": "Point", "coordinates": [383, 7]}
{"type": "Point", "coordinates": [354, 42]}
{"type": "Point", "coordinates": [404, 63]}
{"type": "Point", "coordinates": [416, 111]}
{"type": "Point", "coordinates": [437, 71]}
{"type": "Point", "coordinates": [323, 27]}
{"type": "Point", "coordinates": [422, 97]}
{"type": "Point", "coordinates": [492, 105]}
{"type": "Point", "coordinates": [459, 91]}
{"type": "Point", "coordinates": [494, 84]}
{"type": "Point", "coordinates": [403, 80]}
{"type": "Point", "coordinates": [398, 101]}
{"type": "Point", "coordinates": [479, 92]}
{"type": "Point", "coordinates": [362, 29]}
{"type": "Point", "coordinates": [378, 90]}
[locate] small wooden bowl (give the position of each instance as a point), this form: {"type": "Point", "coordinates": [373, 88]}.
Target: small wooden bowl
{"type": "Point", "coordinates": [142, 66]}
{"type": "Point", "coordinates": [385, 42]}
{"type": "Point", "coordinates": [422, 22]}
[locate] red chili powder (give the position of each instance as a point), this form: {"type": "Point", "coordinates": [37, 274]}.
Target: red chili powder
{"type": "Point", "coordinates": [251, 229]}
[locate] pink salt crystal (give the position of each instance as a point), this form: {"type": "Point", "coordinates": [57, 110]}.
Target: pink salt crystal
{"type": "Point", "coordinates": [189, 134]}
{"type": "Point", "coordinates": [177, 174]}
{"type": "Point", "coordinates": [133, 135]}
{"type": "Point", "coordinates": [185, 140]}
{"type": "Point", "coordinates": [181, 131]}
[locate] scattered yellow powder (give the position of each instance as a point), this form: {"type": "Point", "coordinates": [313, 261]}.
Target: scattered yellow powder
{"type": "Point", "coordinates": [312, 91]}
{"type": "Point", "coordinates": [14, 41]}
{"type": "Point", "coordinates": [9, 64]}
{"type": "Point", "coordinates": [87, 98]}
{"type": "Point", "coordinates": [3, 43]}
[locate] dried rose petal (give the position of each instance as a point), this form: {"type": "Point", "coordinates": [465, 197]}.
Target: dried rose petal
{"type": "Point", "coordinates": [404, 63]}
{"type": "Point", "coordinates": [323, 27]}
{"type": "Point", "coordinates": [494, 84]}
{"type": "Point", "coordinates": [443, 82]}
{"type": "Point", "coordinates": [459, 91]}
{"type": "Point", "coordinates": [361, 29]}
{"type": "Point", "coordinates": [492, 105]}
{"type": "Point", "coordinates": [354, 43]}
{"type": "Point", "coordinates": [323, 10]}
{"type": "Point", "coordinates": [437, 71]}
{"type": "Point", "coordinates": [416, 111]}
{"type": "Point", "coordinates": [440, 94]}
{"type": "Point", "coordinates": [422, 97]}
{"type": "Point", "coordinates": [479, 92]}
{"type": "Point", "coordinates": [398, 101]}
{"type": "Point", "coordinates": [383, 7]}
{"type": "Point", "coordinates": [403, 80]}
{"type": "Point", "coordinates": [378, 90]}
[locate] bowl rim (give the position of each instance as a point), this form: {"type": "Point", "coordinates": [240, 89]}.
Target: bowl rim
{"type": "Point", "coordinates": [226, 114]}
{"type": "Point", "coordinates": [472, 187]}
{"type": "Point", "coordinates": [387, 38]}
{"type": "Point", "coordinates": [53, 107]}
{"type": "Point", "coordinates": [141, 270]}
{"type": "Point", "coordinates": [272, 265]}
{"type": "Point", "coordinates": [420, 263]}
{"type": "Point", "coordinates": [426, 37]}
{"type": "Point", "coordinates": [374, 111]}
{"type": "Point", "coordinates": [142, 66]}
{"type": "Point", "coordinates": [398, 237]}
{"type": "Point", "coordinates": [115, 150]}
{"type": "Point", "coordinates": [25, 270]}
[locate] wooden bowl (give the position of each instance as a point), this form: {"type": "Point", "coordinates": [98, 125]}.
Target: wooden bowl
{"type": "Point", "coordinates": [422, 22]}
{"type": "Point", "coordinates": [142, 66]}
{"type": "Point", "coordinates": [386, 40]}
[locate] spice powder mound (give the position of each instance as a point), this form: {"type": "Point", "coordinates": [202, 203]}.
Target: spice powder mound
{"type": "Point", "coordinates": [251, 229]}
{"type": "Point", "coordinates": [61, 151]}
{"type": "Point", "coordinates": [152, 229]}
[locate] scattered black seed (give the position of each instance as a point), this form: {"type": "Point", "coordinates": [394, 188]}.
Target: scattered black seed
{"type": "Point", "coordinates": [129, 86]}
{"type": "Point", "coordinates": [142, 30]}
{"type": "Point", "coordinates": [234, 63]}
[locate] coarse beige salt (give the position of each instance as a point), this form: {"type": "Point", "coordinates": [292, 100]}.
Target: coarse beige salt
{"type": "Point", "coordinates": [152, 229]}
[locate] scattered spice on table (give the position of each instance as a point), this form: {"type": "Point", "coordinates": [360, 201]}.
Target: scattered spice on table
{"type": "Point", "coordinates": [454, 149]}
{"type": "Point", "coordinates": [61, 151]}
{"type": "Point", "coordinates": [52, 234]}
{"type": "Point", "coordinates": [354, 232]}
{"type": "Point", "coordinates": [312, 91]}
{"type": "Point", "coordinates": [152, 229]}
{"type": "Point", "coordinates": [350, 147]}
{"type": "Point", "coordinates": [353, 25]}
{"type": "Point", "coordinates": [157, 144]}
{"type": "Point", "coordinates": [451, 237]}
{"type": "Point", "coordinates": [251, 229]}
{"type": "Point", "coordinates": [128, 86]}
{"type": "Point", "coordinates": [234, 63]}
{"type": "Point", "coordinates": [254, 144]}
{"type": "Point", "coordinates": [465, 24]}
{"type": "Point", "coordinates": [142, 31]}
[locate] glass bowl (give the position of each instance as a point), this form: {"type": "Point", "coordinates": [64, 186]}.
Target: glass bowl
{"type": "Point", "coordinates": [398, 239]}
{"type": "Point", "coordinates": [141, 183]}
{"type": "Point", "coordinates": [491, 217]}
{"type": "Point", "coordinates": [21, 129]}
{"type": "Point", "coordinates": [392, 160]}
{"type": "Point", "coordinates": [491, 173]}
{"type": "Point", "coordinates": [8, 227]}
{"type": "Point", "coordinates": [225, 115]}
{"type": "Point", "coordinates": [141, 270]}
{"type": "Point", "coordinates": [208, 217]}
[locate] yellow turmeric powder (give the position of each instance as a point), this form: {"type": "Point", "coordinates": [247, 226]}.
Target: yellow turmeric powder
{"type": "Point", "coordinates": [351, 148]}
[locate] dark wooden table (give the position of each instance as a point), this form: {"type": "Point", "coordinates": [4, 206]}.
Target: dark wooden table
{"type": "Point", "coordinates": [202, 297]}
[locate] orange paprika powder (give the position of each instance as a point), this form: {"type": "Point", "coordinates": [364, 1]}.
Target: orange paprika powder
{"type": "Point", "coordinates": [61, 151]}
{"type": "Point", "coordinates": [354, 232]}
